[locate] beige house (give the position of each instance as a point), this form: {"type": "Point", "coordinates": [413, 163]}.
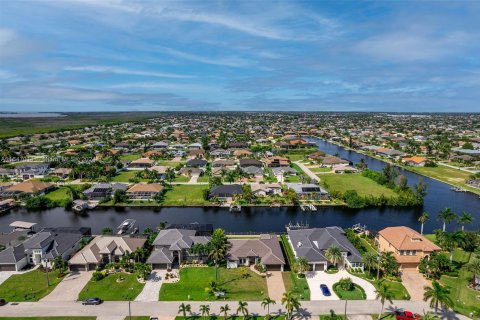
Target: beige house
{"type": "Point", "coordinates": [407, 245]}
{"type": "Point", "coordinates": [31, 187]}
{"type": "Point", "coordinates": [104, 249]}
{"type": "Point", "coordinates": [142, 191]}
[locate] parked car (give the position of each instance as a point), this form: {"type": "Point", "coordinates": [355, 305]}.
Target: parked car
{"type": "Point", "coordinates": [406, 315]}
{"type": "Point", "coordinates": [2, 302]}
{"type": "Point", "coordinates": [92, 301]}
{"type": "Point", "coordinates": [325, 290]}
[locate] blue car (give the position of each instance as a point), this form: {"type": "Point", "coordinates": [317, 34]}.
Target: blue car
{"type": "Point", "coordinates": [325, 290]}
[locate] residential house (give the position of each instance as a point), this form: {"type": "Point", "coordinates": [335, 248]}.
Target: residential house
{"type": "Point", "coordinates": [172, 247]}
{"type": "Point", "coordinates": [389, 153]}
{"type": "Point", "coordinates": [30, 187]}
{"type": "Point", "coordinates": [226, 192]}
{"type": "Point", "coordinates": [42, 248]}
{"type": "Point", "coordinates": [264, 190]}
{"type": "Point", "coordinates": [160, 145]}
{"type": "Point", "coordinates": [309, 191]}
{"type": "Point", "coordinates": [197, 163]}
{"type": "Point", "coordinates": [265, 251]}
{"type": "Point", "coordinates": [220, 153]}
{"type": "Point", "coordinates": [62, 173]}
{"type": "Point", "coordinates": [31, 170]}
{"type": "Point", "coordinates": [7, 173]}
{"type": "Point", "coordinates": [161, 171]}
{"type": "Point", "coordinates": [312, 245]}
{"type": "Point", "coordinates": [415, 161]}
{"type": "Point", "coordinates": [104, 249]}
{"type": "Point", "coordinates": [142, 163]}
{"type": "Point", "coordinates": [102, 191]}
{"type": "Point", "coordinates": [407, 245]}
{"type": "Point", "coordinates": [276, 161]}
{"type": "Point", "coordinates": [143, 191]}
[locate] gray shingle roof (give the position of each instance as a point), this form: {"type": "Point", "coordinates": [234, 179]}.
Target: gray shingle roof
{"type": "Point", "coordinates": [312, 243]}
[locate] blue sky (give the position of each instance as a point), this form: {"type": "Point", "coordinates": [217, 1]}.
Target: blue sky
{"type": "Point", "coordinates": [99, 55]}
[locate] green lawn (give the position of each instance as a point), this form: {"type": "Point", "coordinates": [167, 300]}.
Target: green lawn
{"type": "Point", "coordinates": [355, 181]}
{"type": "Point", "coordinates": [465, 299]}
{"type": "Point", "coordinates": [168, 163]}
{"type": "Point", "coordinates": [109, 289]}
{"type": "Point", "coordinates": [320, 169]}
{"type": "Point", "coordinates": [29, 286]}
{"type": "Point", "coordinates": [193, 282]}
{"type": "Point", "coordinates": [295, 157]}
{"type": "Point", "coordinates": [125, 176]}
{"type": "Point", "coordinates": [452, 176]}
{"type": "Point", "coordinates": [60, 195]}
{"type": "Point", "coordinates": [137, 318]}
{"type": "Point", "coordinates": [298, 285]}
{"type": "Point", "coordinates": [130, 157]}
{"type": "Point", "coordinates": [292, 179]}
{"type": "Point", "coordinates": [432, 237]}
{"type": "Point", "coordinates": [203, 178]}
{"type": "Point", "coordinates": [181, 179]}
{"type": "Point", "coordinates": [356, 294]}
{"type": "Point", "coordinates": [181, 195]}
{"type": "Point", "coordinates": [398, 290]}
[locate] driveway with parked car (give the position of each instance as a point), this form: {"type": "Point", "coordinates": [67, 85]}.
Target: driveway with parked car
{"type": "Point", "coordinates": [316, 278]}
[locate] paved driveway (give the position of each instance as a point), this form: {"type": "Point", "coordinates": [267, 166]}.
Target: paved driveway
{"type": "Point", "coordinates": [4, 275]}
{"type": "Point", "coordinates": [69, 288]}
{"type": "Point", "coordinates": [414, 282]}
{"type": "Point", "coordinates": [315, 279]}
{"type": "Point", "coordinates": [275, 285]}
{"type": "Point", "coordinates": [151, 291]}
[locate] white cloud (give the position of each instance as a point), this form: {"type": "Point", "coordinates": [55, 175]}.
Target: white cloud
{"type": "Point", "coordinates": [411, 46]}
{"type": "Point", "coordinates": [225, 61]}
{"type": "Point", "coordinates": [116, 70]}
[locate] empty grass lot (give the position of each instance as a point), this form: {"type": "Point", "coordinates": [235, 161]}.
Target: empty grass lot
{"type": "Point", "coordinates": [109, 289]}
{"type": "Point", "coordinates": [182, 195]}
{"type": "Point", "coordinates": [29, 286]}
{"type": "Point", "coordinates": [355, 181]}
{"type": "Point", "coordinates": [193, 282]}
{"type": "Point", "coordinates": [60, 195]}
{"type": "Point", "coordinates": [125, 176]}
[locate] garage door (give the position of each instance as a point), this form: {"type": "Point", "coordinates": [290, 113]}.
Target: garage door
{"type": "Point", "coordinates": [7, 267]}
{"type": "Point", "coordinates": [77, 267]}
{"type": "Point", "coordinates": [272, 267]}
{"type": "Point", "coordinates": [159, 266]}
{"type": "Point", "coordinates": [319, 267]}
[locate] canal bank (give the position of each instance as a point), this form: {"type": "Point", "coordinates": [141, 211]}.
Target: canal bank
{"type": "Point", "coordinates": [266, 219]}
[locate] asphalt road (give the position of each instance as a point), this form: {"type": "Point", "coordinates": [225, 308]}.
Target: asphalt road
{"type": "Point", "coordinates": [170, 309]}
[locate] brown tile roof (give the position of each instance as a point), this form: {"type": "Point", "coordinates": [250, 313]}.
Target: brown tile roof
{"type": "Point", "coordinates": [143, 187]}
{"type": "Point", "coordinates": [31, 186]}
{"type": "Point", "coordinates": [405, 238]}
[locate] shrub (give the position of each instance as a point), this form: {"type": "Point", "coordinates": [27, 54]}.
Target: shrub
{"type": "Point", "coordinates": [346, 284]}
{"type": "Point", "coordinates": [98, 275]}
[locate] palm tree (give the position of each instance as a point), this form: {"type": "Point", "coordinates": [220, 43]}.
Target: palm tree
{"type": "Point", "coordinates": [290, 302]}
{"type": "Point", "coordinates": [205, 310]}
{"type": "Point", "coordinates": [438, 295]}
{"type": "Point", "coordinates": [218, 248]}
{"type": "Point", "coordinates": [370, 260]}
{"type": "Point", "coordinates": [383, 293]}
{"type": "Point", "coordinates": [301, 265]}
{"type": "Point", "coordinates": [422, 219]}
{"type": "Point", "coordinates": [184, 308]}
{"type": "Point", "coordinates": [465, 218]}
{"type": "Point", "coordinates": [334, 255]}
{"type": "Point", "coordinates": [242, 308]}
{"type": "Point", "coordinates": [449, 241]}
{"type": "Point", "coordinates": [224, 309]}
{"type": "Point", "coordinates": [474, 267]}
{"type": "Point", "coordinates": [266, 302]}
{"type": "Point", "coordinates": [447, 216]}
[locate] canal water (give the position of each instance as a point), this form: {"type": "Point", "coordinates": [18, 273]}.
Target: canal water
{"type": "Point", "coordinates": [260, 219]}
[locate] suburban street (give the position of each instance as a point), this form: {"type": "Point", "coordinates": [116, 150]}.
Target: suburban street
{"type": "Point", "coordinates": [170, 309]}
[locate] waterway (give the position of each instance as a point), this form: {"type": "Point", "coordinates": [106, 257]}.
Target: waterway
{"type": "Point", "coordinates": [260, 219]}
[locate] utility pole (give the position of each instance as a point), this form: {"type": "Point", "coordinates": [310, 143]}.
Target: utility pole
{"type": "Point", "coordinates": [378, 266]}
{"type": "Point", "coordinates": [346, 301]}
{"type": "Point", "coordinates": [46, 271]}
{"type": "Point", "coordinates": [129, 311]}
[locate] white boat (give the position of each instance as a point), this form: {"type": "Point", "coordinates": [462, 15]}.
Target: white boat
{"type": "Point", "coordinates": [126, 226]}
